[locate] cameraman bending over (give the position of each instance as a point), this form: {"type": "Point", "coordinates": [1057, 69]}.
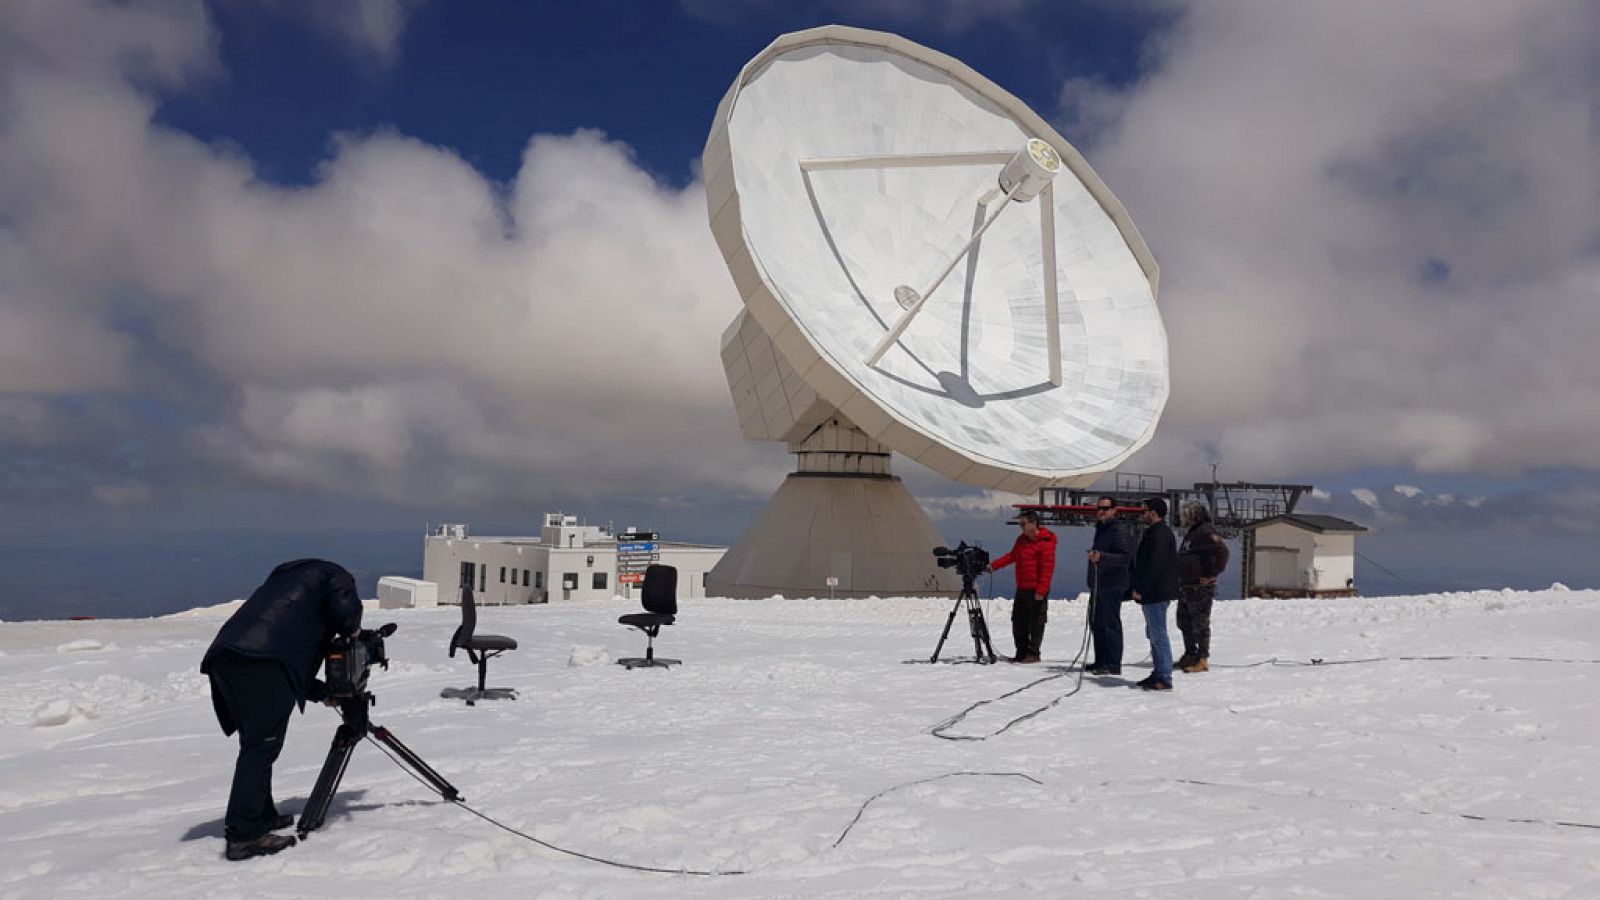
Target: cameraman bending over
{"type": "Point", "coordinates": [262, 663]}
{"type": "Point", "coordinates": [1035, 556]}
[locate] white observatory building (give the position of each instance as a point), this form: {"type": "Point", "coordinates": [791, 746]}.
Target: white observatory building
{"type": "Point", "coordinates": [566, 561]}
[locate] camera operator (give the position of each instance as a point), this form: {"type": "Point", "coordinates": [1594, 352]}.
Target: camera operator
{"type": "Point", "coordinates": [262, 664]}
{"type": "Point", "coordinates": [1035, 556]}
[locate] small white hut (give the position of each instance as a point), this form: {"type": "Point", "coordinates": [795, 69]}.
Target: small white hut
{"type": "Point", "coordinates": [1298, 555]}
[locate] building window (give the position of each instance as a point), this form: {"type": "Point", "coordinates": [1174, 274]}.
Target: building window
{"type": "Point", "coordinates": [538, 579]}
{"type": "Point", "coordinates": [524, 577]}
{"type": "Point", "coordinates": [600, 581]}
{"type": "Point", "coordinates": [483, 578]}
{"type": "Point", "coordinates": [569, 580]}
{"type": "Point", "coordinates": [502, 574]}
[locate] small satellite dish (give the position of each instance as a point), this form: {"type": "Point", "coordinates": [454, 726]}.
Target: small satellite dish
{"type": "Point", "coordinates": [927, 268]}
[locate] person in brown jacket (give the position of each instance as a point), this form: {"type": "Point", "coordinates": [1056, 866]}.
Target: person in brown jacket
{"type": "Point", "coordinates": [1201, 558]}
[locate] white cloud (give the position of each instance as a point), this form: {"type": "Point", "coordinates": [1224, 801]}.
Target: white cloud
{"type": "Point", "coordinates": [1379, 230]}
{"type": "Point", "coordinates": [371, 28]}
{"type": "Point", "coordinates": [949, 15]}
{"type": "Point", "coordinates": [1407, 490]}
{"type": "Point", "coordinates": [401, 328]}
{"type": "Point", "coordinates": [983, 504]}
{"type": "Point", "coordinates": [1366, 498]}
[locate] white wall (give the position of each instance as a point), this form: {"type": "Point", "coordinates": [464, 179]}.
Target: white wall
{"type": "Point", "coordinates": [1336, 561]}
{"type": "Point", "coordinates": [397, 592]}
{"type": "Point", "coordinates": [496, 558]}
{"type": "Point", "coordinates": [1325, 561]}
{"type": "Point", "coordinates": [549, 569]}
{"type": "Point", "coordinates": [1278, 568]}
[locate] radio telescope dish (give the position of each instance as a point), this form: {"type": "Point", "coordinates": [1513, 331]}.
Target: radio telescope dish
{"type": "Point", "coordinates": [927, 268]}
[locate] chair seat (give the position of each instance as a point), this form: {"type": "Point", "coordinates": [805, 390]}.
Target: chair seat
{"type": "Point", "coordinates": [490, 642]}
{"type": "Point", "coordinates": [645, 620]}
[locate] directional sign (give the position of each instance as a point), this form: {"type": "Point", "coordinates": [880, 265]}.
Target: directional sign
{"type": "Point", "coordinates": [636, 550]}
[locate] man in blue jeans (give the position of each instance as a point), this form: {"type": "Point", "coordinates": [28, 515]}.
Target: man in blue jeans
{"type": "Point", "coordinates": [1155, 586]}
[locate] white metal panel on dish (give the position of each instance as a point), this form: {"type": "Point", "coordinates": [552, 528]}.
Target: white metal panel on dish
{"type": "Point", "coordinates": [819, 249]}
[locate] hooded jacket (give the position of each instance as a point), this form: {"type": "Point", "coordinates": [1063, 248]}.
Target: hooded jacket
{"type": "Point", "coordinates": [1035, 559]}
{"type": "Point", "coordinates": [290, 619]}
{"type": "Point", "coordinates": [1202, 556]}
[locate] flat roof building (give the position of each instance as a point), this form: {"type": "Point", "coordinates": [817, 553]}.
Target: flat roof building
{"type": "Point", "coordinates": [566, 561]}
{"type": "Point", "coordinates": [1299, 555]}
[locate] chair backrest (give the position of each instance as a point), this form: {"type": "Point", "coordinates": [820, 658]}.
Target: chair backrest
{"type": "Point", "coordinates": [469, 611]}
{"type": "Point", "coordinates": [660, 594]}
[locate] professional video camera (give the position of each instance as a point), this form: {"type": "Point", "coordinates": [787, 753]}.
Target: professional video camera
{"type": "Point", "coordinates": [969, 562]}
{"type": "Point", "coordinates": [350, 660]}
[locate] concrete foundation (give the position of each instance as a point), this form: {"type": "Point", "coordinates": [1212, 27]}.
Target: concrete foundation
{"type": "Point", "coordinates": [865, 530]}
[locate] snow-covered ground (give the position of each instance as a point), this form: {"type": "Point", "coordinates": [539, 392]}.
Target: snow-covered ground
{"type": "Point", "coordinates": [759, 752]}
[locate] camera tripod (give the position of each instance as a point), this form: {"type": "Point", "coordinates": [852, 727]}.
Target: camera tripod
{"type": "Point", "coordinates": [976, 624]}
{"type": "Point", "coordinates": [356, 726]}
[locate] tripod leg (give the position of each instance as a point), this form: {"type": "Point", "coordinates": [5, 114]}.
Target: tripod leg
{"type": "Point", "coordinates": [344, 744]}
{"type": "Point", "coordinates": [983, 630]}
{"type": "Point", "coordinates": [422, 769]}
{"type": "Point", "coordinates": [949, 620]}
{"type": "Point", "coordinates": [979, 627]}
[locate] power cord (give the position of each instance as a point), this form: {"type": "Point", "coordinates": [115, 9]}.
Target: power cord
{"type": "Point", "coordinates": [705, 873]}
{"type": "Point", "coordinates": [1075, 665]}
{"type": "Point", "coordinates": [1418, 812]}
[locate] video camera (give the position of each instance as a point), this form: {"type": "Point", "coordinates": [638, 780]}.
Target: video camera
{"type": "Point", "coordinates": [969, 562]}
{"type": "Point", "coordinates": [350, 659]}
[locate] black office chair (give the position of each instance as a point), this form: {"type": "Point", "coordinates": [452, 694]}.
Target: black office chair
{"type": "Point", "coordinates": [480, 649]}
{"type": "Point", "coordinates": [660, 597]}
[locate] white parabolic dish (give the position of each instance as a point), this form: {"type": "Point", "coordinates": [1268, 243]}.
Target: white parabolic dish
{"type": "Point", "coordinates": [844, 164]}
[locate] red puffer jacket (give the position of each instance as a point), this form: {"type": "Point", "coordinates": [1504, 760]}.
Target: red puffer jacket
{"type": "Point", "coordinates": [1035, 559]}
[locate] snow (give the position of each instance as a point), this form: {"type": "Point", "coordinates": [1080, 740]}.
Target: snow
{"type": "Point", "coordinates": [794, 744]}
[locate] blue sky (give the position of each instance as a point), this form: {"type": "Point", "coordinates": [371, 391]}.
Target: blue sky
{"type": "Point", "coordinates": [280, 276]}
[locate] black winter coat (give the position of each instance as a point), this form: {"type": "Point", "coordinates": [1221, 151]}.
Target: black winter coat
{"type": "Point", "coordinates": [291, 618]}
{"type": "Point", "coordinates": [1155, 566]}
{"type": "Point", "coordinates": [1116, 555]}
{"type": "Point", "coordinates": [1202, 556]}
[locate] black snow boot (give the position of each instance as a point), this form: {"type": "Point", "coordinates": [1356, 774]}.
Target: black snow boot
{"type": "Point", "coordinates": [265, 845]}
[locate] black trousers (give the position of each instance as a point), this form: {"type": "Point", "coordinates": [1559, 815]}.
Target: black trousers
{"type": "Point", "coordinates": [259, 698]}
{"type": "Point", "coordinates": [1028, 616]}
{"type": "Point", "coordinates": [1105, 625]}
{"type": "Point", "coordinates": [1194, 618]}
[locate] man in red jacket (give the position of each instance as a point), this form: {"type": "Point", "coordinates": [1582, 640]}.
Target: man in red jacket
{"type": "Point", "coordinates": [1034, 554]}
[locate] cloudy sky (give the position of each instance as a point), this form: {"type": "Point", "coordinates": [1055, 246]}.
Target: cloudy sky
{"type": "Point", "coordinates": [290, 266]}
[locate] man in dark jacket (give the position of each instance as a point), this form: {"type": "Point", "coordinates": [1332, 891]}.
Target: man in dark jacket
{"type": "Point", "coordinates": [1155, 586]}
{"type": "Point", "coordinates": [262, 663]}
{"type": "Point", "coordinates": [1034, 554]}
{"type": "Point", "coordinates": [1201, 558]}
{"type": "Point", "coordinates": [1109, 560]}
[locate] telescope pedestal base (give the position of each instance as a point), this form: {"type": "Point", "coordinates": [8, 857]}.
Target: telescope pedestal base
{"type": "Point", "coordinates": [867, 531]}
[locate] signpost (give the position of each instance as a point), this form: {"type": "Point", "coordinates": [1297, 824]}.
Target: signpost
{"type": "Point", "coordinates": [833, 582]}
{"type": "Point", "coordinates": [636, 550]}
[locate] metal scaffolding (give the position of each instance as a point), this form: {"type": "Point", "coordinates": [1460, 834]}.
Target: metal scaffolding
{"type": "Point", "coordinates": [1233, 505]}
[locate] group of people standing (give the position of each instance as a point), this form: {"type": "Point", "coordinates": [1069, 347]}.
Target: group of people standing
{"type": "Point", "coordinates": [1154, 574]}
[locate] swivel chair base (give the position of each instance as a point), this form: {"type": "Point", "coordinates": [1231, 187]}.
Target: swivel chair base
{"type": "Point", "coordinates": [647, 662]}
{"type": "Point", "coordinates": [473, 695]}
